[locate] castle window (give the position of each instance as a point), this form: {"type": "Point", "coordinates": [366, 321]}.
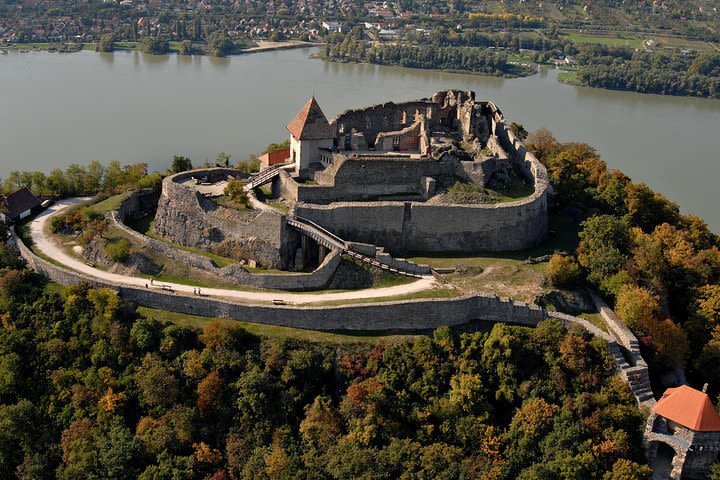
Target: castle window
{"type": "Point", "coordinates": [385, 121]}
{"type": "Point", "coordinates": [404, 117]}
{"type": "Point", "coordinates": [342, 128]}
{"type": "Point", "coordinates": [396, 140]}
{"type": "Point", "coordinates": [367, 122]}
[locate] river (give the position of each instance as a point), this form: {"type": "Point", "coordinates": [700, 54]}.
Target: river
{"type": "Point", "coordinates": [57, 109]}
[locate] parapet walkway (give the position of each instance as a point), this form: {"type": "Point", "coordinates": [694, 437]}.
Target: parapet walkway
{"type": "Point", "coordinates": [330, 240]}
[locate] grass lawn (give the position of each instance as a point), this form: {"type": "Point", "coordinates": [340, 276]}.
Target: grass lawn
{"type": "Point", "coordinates": [611, 41]}
{"type": "Point", "coordinates": [571, 78]}
{"type": "Point", "coordinates": [595, 319]}
{"type": "Point", "coordinates": [263, 330]}
{"type": "Point", "coordinates": [109, 204]}
{"type": "Point", "coordinates": [515, 191]}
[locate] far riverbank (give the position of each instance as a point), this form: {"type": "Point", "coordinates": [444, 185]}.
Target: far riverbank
{"type": "Point", "coordinates": [72, 47]}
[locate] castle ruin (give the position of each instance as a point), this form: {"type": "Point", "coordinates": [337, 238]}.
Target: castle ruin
{"type": "Point", "coordinates": [373, 182]}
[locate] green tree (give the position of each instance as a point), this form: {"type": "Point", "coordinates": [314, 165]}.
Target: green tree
{"type": "Point", "coordinates": [180, 164]}
{"type": "Point", "coordinates": [604, 244]}
{"type": "Point", "coordinates": [185, 47]}
{"type": "Point", "coordinates": [235, 190]}
{"type": "Point", "coordinates": [519, 130]}
{"type": "Point", "coordinates": [106, 43]}
{"type": "Point", "coordinates": [220, 45]}
{"type": "Point", "coordinates": [624, 469]}
{"type": "Point", "coordinates": [155, 45]}
{"type": "Point", "coordinates": [157, 385]}
{"type": "Point", "coordinates": [562, 271]}
{"type": "Point", "coordinates": [119, 250]}
{"type": "Point", "coordinates": [635, 305]}
{"type": "Point", "coordinates": [223, 159]}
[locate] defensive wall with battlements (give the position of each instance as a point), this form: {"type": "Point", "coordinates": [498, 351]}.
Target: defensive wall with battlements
{"type": "Point", "coordinates": [141, 202]}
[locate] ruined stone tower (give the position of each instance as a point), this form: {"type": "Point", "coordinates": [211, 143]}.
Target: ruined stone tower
{"type": "Point", "coordinates": [682, 437]}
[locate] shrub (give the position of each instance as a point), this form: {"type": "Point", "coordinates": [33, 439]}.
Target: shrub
{"type": "Point", "coordinates": [119, 251]}
{"type": "Point", "coordinates": [57, 223]}
{"type": "Point", "coordinates": [562, 271]}
{"type": "Point", "coordinates": [153, 181]}
{"type": "Point", "coordinates": [235, 190]}
{"type": "Point", "coordinates": [251, 165]}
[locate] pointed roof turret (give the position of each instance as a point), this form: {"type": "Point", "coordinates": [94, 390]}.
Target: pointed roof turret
{"type": "Point", "coordinates": [310, 123]}
{"type": "Point", "coordinates": [690, 408]}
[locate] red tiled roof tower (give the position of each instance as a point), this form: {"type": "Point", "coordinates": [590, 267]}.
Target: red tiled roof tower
{"type": "Point", "coordinates": [310, 123]}
{"type": "Point", "coordinates": [690, 408]}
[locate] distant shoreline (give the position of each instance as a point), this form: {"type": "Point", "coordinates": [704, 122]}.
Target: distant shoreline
{"type": "Point", "coordinates": [262, 46]}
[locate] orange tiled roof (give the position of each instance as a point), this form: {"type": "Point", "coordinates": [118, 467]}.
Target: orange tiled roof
{"type": "Point", "coordinates": [690, 408]}
{"type": "Point", "coordinates": [310, 123]}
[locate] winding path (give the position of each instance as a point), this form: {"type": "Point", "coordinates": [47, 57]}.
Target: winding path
{"type": "Point", "coordinates": [52, 250]}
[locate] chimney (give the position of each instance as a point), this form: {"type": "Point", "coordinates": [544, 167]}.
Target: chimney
{"type": "Point", "coordinates": [705, 387]}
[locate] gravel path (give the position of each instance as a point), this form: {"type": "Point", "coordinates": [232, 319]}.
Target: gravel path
{"type": "Point", "coordinates": [48, 247]}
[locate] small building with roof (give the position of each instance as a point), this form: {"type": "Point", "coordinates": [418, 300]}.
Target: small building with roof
{"type": "Point", "coordinates": [682, 436]}
{"type": "Point", "coordinates": [18, 205]}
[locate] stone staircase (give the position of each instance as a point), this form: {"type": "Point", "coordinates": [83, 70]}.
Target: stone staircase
{"type": "Point", "coordinates": [380, 259]}
{"type": "Point", "coordinates": [639, 381]}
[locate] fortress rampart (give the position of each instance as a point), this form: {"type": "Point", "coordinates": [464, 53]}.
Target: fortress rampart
{"type": "Point", "coordinates": [375, 197]}
{"type": "Point", "coordinates": [186, 217]}
{"type": "Point", "coordinates": [403, 227]}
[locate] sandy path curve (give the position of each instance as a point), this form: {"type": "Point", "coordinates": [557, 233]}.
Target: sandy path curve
{"type": "Point", "coordinates": [50, 248]}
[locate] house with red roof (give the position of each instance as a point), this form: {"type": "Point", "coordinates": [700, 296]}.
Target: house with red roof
{"type": "Point", "coordinates": [682, 436]}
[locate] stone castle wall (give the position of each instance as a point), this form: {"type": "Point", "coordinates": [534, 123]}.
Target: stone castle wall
{"type": "Point", "coordinates": [187, 218]}
{"type": "Point", "coordinates": [138, 204]}
{"type": "Point", "coordinates": [392, 116]}
{"type": "Point", "coordinates": [403, 227]}
{"type": "Point", "coordinates": [366, 177]}
{"type": "Point", "coordinates": [399, 315]}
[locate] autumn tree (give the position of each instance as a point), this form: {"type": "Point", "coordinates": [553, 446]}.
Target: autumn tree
{"type": "Point", "coordinates": [562, 271]}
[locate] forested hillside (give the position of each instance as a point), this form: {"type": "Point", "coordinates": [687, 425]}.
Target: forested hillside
{"type": "Point", "coordinates": [90, 389]}
{"type": "Point", "coordinates": [659, 268]}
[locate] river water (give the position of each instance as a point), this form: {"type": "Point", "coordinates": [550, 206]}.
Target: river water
{"type": "Point", "coordinates": [57, 109]}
